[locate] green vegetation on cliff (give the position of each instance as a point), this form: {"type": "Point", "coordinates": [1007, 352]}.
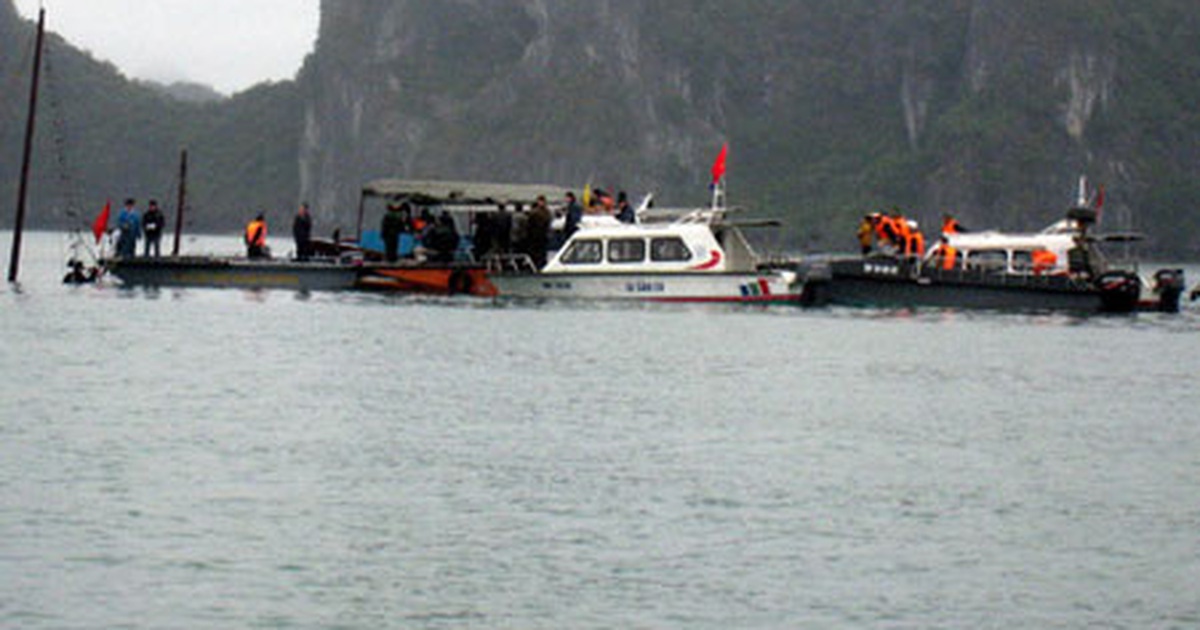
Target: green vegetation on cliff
{"type": "Point", "coordinates": [988, 109]}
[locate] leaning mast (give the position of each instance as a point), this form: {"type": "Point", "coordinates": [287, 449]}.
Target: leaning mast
{"type": "Point", "coordinates": [14, 262]}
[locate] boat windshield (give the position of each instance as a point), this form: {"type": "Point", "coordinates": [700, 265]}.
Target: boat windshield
{"type": "Point", "coordinates": [584, 251]}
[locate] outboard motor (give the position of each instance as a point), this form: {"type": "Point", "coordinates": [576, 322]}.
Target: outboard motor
{"type": "Point", "coordinates": [1169, 286]}
{"type": "Point", "coordinates": [1119, 291]}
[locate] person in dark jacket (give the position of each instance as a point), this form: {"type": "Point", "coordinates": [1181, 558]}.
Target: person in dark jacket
{"type": "Point", "coordinates": [537, 232]}
{"type": "Point", "coordinates": [152, 228]}
{"type": "Point", "coordinates": [393, 225]}
{"type": "Point", "coordinates": [574, 216]}
{"type": "Point", "coordinates": [625, 212]}
{"type": "Point", "coordinates": [442, 240]}
{"type": "Point", "coordinates": [302, 232]}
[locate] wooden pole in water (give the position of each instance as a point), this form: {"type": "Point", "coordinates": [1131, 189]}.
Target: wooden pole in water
{"type": "Point", "coordinates": [14, 263]}
{"type": "Point", "coordinates": [182, 201]}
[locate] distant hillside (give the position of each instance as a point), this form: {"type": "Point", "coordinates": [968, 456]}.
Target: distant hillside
{"type": "Point", "coordinates": [101, 136]}
{"type": "Point", "coordinates": [989, 109]}
{"type": "Point", "coordinates": [185, 91]}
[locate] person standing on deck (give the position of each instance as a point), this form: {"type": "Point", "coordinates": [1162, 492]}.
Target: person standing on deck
{"type": "Point", "coordinates": [866, 233]}
{"type": "Point", "coordinates": [574, 216]}
{"type": "Point", "coordinates": [625, 212]}
{"type": "Point", "coordinates": [537, 232]}
{"type": "Point", "coordinates": [152, 227]}
{"type": "Point", "coordinates": [256, 238]}
{"type": "Point", "coordinates": [950, 225]}
{"type": "Point", "coordinates": [302, 232]}
{"type": "Point", "coordinates": [130, 226]}
{"type": "Point", "coordinates": [393, 225]}
{"type": "Point", "coordinates": [502, 225]}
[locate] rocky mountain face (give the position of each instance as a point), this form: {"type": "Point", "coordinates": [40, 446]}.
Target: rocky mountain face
{"type": "Point", "coordinates": [988, 109]}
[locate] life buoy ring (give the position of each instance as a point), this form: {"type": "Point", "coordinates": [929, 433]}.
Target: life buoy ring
{"type": "Point", "coordinates": [459, 282]}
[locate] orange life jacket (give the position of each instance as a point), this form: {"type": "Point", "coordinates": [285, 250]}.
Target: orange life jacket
{"type": "Point", "coordinates": [915, 243]}
{"type": "Point", "coordinates": [948, 254]}
{"type": "Point", "coordinates": [256, 233]}
{"type": "Point", "coordinates": [1043, 260]}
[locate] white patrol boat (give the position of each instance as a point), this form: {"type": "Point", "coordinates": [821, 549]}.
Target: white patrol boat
{"type": "Point", "coordinates": [697, 257]}
{"type": "Point", "coordinates": [1060, 268]}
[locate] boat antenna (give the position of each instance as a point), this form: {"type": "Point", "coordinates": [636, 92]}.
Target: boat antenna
{"type": "Point", "coordinates": [14, 263]}
{"type": "Point", "coordinates": [183, 165]}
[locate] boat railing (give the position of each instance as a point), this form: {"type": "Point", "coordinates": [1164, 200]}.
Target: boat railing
{"type": "Point", "coordinates": [510, 263]}
{"type": "Point", "coordinates": [983, 274]}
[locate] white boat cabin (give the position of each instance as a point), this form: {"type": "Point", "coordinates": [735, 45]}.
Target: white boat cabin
{"type": "Point", "coordinates": [604, 245]}
{"type": "Point", "coordinates": [1043, 252]}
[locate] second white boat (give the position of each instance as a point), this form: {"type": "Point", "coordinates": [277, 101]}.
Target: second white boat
{"type": "Point", "coordinates": [698, 257]}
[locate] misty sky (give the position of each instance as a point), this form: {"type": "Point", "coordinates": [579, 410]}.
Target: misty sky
{"type": "Point", "coordinates": [228, 44]}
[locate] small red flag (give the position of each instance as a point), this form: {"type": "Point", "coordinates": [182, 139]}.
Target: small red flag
{"type": "Point", "coordinates": [1099, 203]}
{"type": "Point", "coordinates": [718, 169]}
{"type": "Point", "coordinates": [100, 225]}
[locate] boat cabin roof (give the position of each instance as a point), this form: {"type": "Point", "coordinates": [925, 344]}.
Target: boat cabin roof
{"type": "Point", "coordinates": [1011, 241]}
{"type": "Point", "coordinates": [442, 192]}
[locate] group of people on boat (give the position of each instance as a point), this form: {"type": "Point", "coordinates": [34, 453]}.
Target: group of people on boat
{"type": "Point", "coordinates": [409, 232]}
{"type": "Point", "coordinates": [890, 233]}
{"type": "Point", "coordinates": [437, 236]}
{"type": "Point", "coordinates": [254, 236]}
{"type": "Point", "coordinates": [893, 234]}
{"type": "Point", "coordinates": [520, 231]}
{"type": "Point", "coordinates": [133, 226]}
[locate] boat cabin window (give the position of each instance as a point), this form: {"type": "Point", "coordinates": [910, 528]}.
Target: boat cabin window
{"type": "Point", "coordinates": [988, 260]}
{"type": "Point", "coordinates": [626, 250]}
{"type": "Point", "coordinates": [583, 252]}
{"type": "Point", "coordinates": [669, 249]}
{"type": "Point", "coordinates": [1022, 261]}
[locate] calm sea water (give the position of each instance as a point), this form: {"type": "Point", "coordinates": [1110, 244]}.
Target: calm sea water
{"type": "Point", "coordinates": [239, 459]}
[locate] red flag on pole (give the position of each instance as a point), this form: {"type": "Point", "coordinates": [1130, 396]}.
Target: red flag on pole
{"type": "Point", "coordinates": [718, 169]}
{"type": "Point", "coordinates": [100, 225]}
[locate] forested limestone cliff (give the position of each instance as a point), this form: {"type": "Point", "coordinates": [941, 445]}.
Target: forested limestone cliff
{"type": "Point", "coordinates": [989, 109]}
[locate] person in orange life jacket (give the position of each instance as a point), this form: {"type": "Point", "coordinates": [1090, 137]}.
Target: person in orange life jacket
{"type": "Point", "coordinates": [256, 238]}
{"type": "Point", "coordinates": [950, 225]}
{"type": "Point", "coordinates": [915, 245]}
{"type": "Point", "coordinates": [946, 254]}
{"type": "Point", "coordinates": [904, 235]}
{"type": "Point", "coordinates": [885, 231]}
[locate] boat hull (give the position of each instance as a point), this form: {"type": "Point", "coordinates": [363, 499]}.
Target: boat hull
{"type": "Point", "coordinates": [220, 272]}
{"type": "Point", "coordinates": [447, 279]}
{"type": "Point", "coordinates": [895, 283]}
{"type": "Point", "coordinates": [650, 287]}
